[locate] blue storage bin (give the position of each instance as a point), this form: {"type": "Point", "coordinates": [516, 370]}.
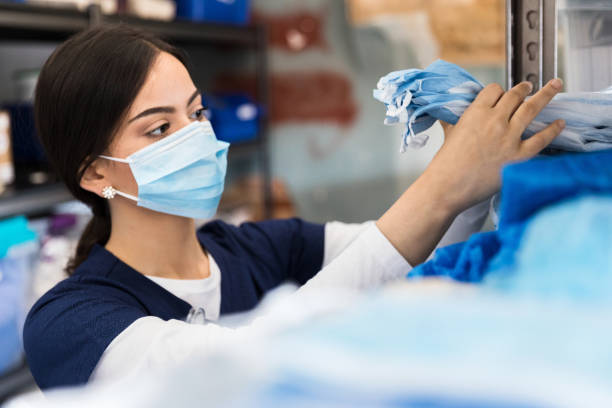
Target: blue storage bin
{"type": "Point", "coordinates": [219, 11]}
{"type": "Point", "coordinates": [27, 149]}
{"type": "Point", "coordinates": [234, 117]}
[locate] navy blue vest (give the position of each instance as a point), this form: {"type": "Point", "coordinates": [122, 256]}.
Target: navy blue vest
{"type": "Point", "coordinates": [69, 327]}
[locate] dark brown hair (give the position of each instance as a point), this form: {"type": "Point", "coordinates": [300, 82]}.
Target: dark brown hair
{"type": "Point", "coordinates": [84, 91]}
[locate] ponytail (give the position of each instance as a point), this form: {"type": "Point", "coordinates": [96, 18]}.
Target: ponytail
{"type": "Point", "coordinates": [97, 231]}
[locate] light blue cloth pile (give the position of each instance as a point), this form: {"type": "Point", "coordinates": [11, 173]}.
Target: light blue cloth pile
{"type": "Point", "coordinates": [418, 98]}
{"type": "Point", "coordinates": [535, 195]}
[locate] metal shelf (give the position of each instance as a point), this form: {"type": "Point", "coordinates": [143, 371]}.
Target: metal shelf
{"type": "Point", "coordinates": [15, 381]}
{"type": "Point", "coordinates": [188, 32]}
{"type": "Point", "coordinates": [27, 22]}
{"type": "Point", "coordinates": [32, 22]}
{"type": "Point", "coordinates": [33, 200]}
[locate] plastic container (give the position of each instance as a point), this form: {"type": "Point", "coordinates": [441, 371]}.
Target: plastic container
{"type": "Point", "coordinates": [18, 246]}
{"type": "Point", "coordinates": [234, 117]}
{"type": "Point", "coordinates": [219, 11]}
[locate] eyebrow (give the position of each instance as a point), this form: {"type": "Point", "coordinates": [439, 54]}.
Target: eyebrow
{"type": "Point", "coordinates": [164, 109]}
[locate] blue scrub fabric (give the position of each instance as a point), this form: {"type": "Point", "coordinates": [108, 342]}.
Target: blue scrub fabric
{"type": "Point", "coordinates": [69, 327]}
{"type": "Point", "coordinates": [527, 189]}
{"type": "Point", "coordinates": [417, 98]}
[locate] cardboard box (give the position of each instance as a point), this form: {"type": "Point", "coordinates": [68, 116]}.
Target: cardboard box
{"type": "Point", "coordinates": [361, 11]}
{"type": "Point", "coordinates": [468, 32]}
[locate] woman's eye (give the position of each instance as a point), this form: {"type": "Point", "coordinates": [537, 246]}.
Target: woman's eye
{"type": "Point", "coordinates": [199, 114]}
{"type": "Point", "coordinates": [160, 130]}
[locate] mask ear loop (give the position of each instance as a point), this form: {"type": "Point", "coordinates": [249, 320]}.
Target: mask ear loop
{"type": "Point", "coordinates": [109, 191]}
{"type": "Point", "coordinates": [114, 159]}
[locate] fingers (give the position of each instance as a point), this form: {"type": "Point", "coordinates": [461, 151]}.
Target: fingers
{"type": "Point", "coordinates": [489, 96]}
{"type": "Point", "coordinates": [509, 103]}
{"type": "Point", "coordinates": [528, 111]}
{"type": "Point", "coordinates": [538, 142]}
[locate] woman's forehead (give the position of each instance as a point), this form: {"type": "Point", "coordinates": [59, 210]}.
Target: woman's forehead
{"type": "Point", "coordinates": [168, 83]}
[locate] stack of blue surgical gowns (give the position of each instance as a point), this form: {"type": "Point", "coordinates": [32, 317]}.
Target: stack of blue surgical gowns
{"type": "Point", "coordinates": [417, 98]}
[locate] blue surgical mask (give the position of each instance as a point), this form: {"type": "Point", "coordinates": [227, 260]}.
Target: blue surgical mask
{"type": "Point", "coordinates": [181, 174]}
{"type": "Point", "coordinates": [417, 98]}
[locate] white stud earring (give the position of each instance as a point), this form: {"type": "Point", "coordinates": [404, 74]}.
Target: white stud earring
{"type": "Point", "coordinates": [109, 192]}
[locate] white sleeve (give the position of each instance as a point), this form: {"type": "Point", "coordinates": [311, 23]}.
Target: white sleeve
{"type": "Point", "coordinates": [367, 261]}
{"type": "Point", "coordinates": [151, 343]}
{"type": "Point", "coordinates": [338, 236]}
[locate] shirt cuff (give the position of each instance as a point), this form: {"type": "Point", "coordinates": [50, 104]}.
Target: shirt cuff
{"type": "Point", "coordinates": [392, 262]}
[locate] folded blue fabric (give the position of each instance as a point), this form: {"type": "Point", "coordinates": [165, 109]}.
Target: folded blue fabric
{"type": "Point", "coordinates": [565, 252]}
{"type": "Point", "coordinates": [528, 188]}
{"type": "Point", "coordinates": [443, 91]}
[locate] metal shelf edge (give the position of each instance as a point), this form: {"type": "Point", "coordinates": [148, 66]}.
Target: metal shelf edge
{"type": "Point", "coordinates": [14, 382]}
{"type": "Point", "coordinates": [39, 19]}
{"type": "Point", "coordinates": [33, 200]}
{"type": "Point", "coordinates": [185, 31]}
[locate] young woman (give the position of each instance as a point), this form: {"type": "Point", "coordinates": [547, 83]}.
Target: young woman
{"type": "Point", "coordinates": [122, 123]}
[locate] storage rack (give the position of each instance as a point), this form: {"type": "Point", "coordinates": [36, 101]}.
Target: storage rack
{"type": "Point", "coordinates": [531, 42]}
{"type": "Point", "coordinates": [17, 380]}
{"type": "Point", "coordinates": [24, 22]}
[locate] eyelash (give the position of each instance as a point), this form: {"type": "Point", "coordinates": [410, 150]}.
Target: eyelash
{"type": "Point", "coordinates": [199, 113]}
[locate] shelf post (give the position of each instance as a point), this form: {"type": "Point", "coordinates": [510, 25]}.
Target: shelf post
{"type": "Point", "coordinates": [94, 13]}
{"type": "Point", "coordinates": [263, 100]}
{"type": "Point", "coordinates": [531, 42]}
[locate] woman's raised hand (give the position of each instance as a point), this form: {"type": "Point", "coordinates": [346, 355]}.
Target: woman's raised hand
{"type": "Point", "coordinates": [488, 136]}
{"type": "Point", "coordinates": [467, 169]}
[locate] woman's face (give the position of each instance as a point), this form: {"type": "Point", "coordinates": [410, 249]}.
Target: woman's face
{"type": "Point", "coordinates": [167, 102]}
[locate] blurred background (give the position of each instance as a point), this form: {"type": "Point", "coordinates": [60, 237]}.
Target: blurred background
{"type": "Point", "coordinates": [289, 83]}
{"type": "Point", "coordinates": [327, 152]}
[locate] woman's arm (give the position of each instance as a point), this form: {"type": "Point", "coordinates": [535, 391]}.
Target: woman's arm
{"type": "Point", "coordinates": [339, 235]}
{"type": "Point", "coordinates": [467, 168]}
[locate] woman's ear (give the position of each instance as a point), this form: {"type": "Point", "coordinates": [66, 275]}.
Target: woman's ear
{"type": "Point", "coordinates": [94, 178]}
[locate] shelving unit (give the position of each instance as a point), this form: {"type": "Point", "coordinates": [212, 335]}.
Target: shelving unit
{"type": "Point", "coordinates": [33, 200]}
{"type": "Point", "coordinates": [18, 379]}
{"type": "Point", "coordinates": [24, 22]}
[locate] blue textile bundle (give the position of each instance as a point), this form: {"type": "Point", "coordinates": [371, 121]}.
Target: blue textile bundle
{"type": "Point", "coordinates": [443, 91]}
{"type": "Point", "coordinates": [555, 212]}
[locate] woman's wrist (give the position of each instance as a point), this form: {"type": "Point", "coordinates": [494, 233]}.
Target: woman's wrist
{"type": "Point", "coordinates": [448, 196]}
{"type": "Point", "coordinates": [419, 218]}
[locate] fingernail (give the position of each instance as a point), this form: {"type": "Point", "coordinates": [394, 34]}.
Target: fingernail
{"type": "Point", "coordinates": [561, 123]}
{"type": "Point", "coordinates": [530, 84]}
{"type": "Point", "coordinates": [556, 83]}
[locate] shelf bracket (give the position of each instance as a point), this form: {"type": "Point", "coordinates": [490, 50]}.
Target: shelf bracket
{"type": "Point", "coordinates": [531, 42]}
